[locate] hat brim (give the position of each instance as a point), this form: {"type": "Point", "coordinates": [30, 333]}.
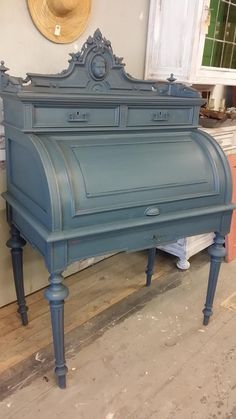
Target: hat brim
{"type": "Point", "coordinates": [71, 26]}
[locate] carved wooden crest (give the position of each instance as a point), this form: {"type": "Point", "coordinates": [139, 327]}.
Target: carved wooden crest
{"type": "Point", "coordinates": [94, 69]}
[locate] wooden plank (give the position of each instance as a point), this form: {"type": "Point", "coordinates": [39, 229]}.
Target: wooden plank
{"type": "Point", "coordinates": [91, 292]}
{"type": "Point", "coordinates": [22, 373]}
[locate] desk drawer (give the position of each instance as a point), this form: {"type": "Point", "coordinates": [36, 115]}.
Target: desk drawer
{"type": "Point", "coordinates": [75, 117]}
{"type": "Point", "coordinates": [159, 116]}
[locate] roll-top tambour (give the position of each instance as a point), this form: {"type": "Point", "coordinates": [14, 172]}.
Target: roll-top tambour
{"type": "Point", "coordinates": [96, 185]}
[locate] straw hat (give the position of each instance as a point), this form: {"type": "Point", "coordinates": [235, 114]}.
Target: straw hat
{"type": "Point", "coordinates": [61, 21]}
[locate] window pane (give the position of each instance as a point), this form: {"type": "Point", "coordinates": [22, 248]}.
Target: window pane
{"type": "Point", "coordinates": [216, 55]}
{"type": "Point", "coordinates": [214, 8]}
{"type": "Point", "coordinates": [220, 42]}
{"type": "Point", "coordinates": [233, 62]}
{"type": "Point", "coordinates": [221, 20]}
{"type": "Point", "coordinates": [231, 24]}
{"type": "Point", "coordinates": [227, 53]}
{"type": "Point", "coordinates": [207, 52]}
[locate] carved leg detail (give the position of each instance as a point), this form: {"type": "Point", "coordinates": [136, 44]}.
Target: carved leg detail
{"type": "Point", "coordinates": [150, 265]}
{"type": "Point", "coordinates": [217, 252]}
{"type": "Point", "coordinates": [16, 243]}
{"type": "Point", "coordinates": [55, 294]}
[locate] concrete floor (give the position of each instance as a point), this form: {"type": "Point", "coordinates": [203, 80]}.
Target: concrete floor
{"type": "Point", "coordinates": [159, 363]}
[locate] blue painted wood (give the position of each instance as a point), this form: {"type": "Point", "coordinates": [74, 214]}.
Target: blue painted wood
{"type": "Point", "coordinates": [150, 265]}
{"type": "Point", "coordinates": [56, 294]}
{"type": "Point", "coordinates": [16, 244]}
{"type": "Point", "coordinates": [99, 162]}
{"type": "Point", "coordinates": [217, 252]}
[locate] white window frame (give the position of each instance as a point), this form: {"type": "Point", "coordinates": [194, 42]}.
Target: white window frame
{"type": "Point", "coordinates": [179, 48]}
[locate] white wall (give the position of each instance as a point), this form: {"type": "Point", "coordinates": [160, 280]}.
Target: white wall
{"type": "Point", "coordinates": [24, 49]}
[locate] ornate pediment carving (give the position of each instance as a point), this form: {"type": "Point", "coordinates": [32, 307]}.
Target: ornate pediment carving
{"type": "Point", "coordinates": [8, 82]}
{"type": "Point", "coordinates": [99, 45]}
{"type": "Point", "coordinates": [94, 69]}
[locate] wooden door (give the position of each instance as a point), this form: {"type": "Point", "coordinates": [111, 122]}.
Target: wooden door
{"type": "Point", "coordinates": [231, 238]}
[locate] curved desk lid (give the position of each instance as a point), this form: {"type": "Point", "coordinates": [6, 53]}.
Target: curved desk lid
{"type": "Point", "coordinates": [108, 174]}
{"type": "Point", "coordinates": [92, 179]}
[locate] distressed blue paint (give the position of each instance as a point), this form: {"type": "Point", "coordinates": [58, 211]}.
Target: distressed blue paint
{"type": "Point", "coordinates": [98, 161]}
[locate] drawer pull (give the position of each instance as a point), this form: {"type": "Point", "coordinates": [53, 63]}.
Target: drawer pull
{"type": "Point", "coordinates": [78, 117]}
{"type": "Point", "coordinates": [151, 211]}
{"type": "Point", "coordinates": [156, 240]}
{"type": "Point", "coordinates": [160, 116]}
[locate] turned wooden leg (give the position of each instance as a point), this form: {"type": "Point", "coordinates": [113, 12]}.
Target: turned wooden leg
{"type": "Point", "coordinates": [56, 294]}
{"type": "Point", "coordinates": [183, 264]}
{"type": "Point", "coordinates": [16, 243]}
{"type": "Point", "coordinates": [217, 252]}
{"type": "Point", "coordinates": [150, 265]}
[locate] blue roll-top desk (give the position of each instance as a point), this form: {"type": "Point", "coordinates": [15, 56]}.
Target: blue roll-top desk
{"type": "Point", "coordinates": [100, 162]}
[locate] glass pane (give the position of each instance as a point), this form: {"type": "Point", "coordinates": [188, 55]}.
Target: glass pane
{"type": "Point", "coordinates": [227, 54]}
{"type": "Point", "coordinates": [233, 62]}
{"type": "Point", "coordinates": [216, 54]}
{"type": "Point", "coordinates": [220, 42]}
{"type": "Point", "coordinates": [221, 20]}
{"type": "Point", "coordinates": [214, 8]}
{"type": "Point", "coordinates": [207, 52]}
{"type": "Point", "coordinates": [231, 24]}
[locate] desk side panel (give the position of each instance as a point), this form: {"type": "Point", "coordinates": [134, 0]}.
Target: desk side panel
{"type": "Point", "coordinates": [31, 179]}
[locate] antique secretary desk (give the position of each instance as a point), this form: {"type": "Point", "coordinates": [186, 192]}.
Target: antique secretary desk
{"type": "Point", "coordinates": [100, 162]}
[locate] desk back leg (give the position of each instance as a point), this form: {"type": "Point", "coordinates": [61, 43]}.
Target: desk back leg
{"type": "Point", "coordinates": [150, 265]}
{"type": "Point", "coordinates": [16, 244]}
{"type": "Point", "coordinates": [217, 252]}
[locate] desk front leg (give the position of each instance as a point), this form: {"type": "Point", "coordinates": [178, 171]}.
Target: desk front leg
{"type": "Point", "coordinates": [217, 252]}
{"type": "Point", "coordinates": [56, 294]}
